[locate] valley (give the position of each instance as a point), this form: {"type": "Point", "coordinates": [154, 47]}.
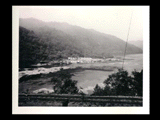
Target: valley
{"type": "Point", "coordinates": [91, 56]}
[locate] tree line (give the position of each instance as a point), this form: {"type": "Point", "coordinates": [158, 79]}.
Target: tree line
{"type": "Point", "coordinates": [120, 83]}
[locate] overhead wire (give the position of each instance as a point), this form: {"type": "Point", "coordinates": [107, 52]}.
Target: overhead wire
{"type": "Point", "coordinates": [127, 39]}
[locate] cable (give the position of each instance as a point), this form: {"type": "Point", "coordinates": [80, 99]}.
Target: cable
{"type": "Point", "coordinates": [127, 39]}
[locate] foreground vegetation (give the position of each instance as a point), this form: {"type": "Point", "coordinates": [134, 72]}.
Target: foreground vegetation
{"type": "Point", "coordinates": [117, 84]}
{"type": "Point", "coordinates": [121, 83]}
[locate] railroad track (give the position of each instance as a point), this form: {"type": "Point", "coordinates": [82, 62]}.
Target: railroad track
{"type": "Point", "coordinates": [132, 100]}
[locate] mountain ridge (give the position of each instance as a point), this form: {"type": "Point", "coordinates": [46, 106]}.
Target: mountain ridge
{"type": "Point", "coordinates": [66, 40]}
{"type": "Point", "coordinates": [138, 43]}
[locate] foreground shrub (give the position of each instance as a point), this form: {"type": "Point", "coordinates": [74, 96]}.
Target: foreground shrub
{"type": "Point", "coordinates": [121, 83]}
{"type": "Point", "coordinates": [63, 84]}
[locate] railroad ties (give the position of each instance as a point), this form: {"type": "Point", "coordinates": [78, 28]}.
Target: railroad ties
{"type": "Point", "coordinates": [65, 99]}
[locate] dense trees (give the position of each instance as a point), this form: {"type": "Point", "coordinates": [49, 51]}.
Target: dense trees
{"type": "Point", "coordinates": [121, 83]}
{"type": "Point", "coordinates": [31, 50]}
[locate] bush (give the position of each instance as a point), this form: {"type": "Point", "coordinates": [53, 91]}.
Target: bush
{"type": "Point", "coordinates": [63, 84]}
{"type": "Point", "coordinates": [98, 90]}
{"type": "Point", "coordinates": [138, 82]}
{"type": "Point", "coordinates": [121, 83]}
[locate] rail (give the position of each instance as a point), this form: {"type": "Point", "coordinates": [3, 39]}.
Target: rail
{"type": "Point", "coordinates": [136, 100]}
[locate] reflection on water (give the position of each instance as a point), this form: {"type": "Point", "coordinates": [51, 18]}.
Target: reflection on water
{"type": "Point", "coordinates": [87, 79]}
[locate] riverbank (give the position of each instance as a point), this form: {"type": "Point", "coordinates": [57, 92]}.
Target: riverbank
{"type": "Point", "coordinates": [45, 73]}
{"type": "Point", "coordinates": [36, 82]}
{"type": "Point", "coordinates": [91, 66]}
{"type": "Point", "coordinates": [87, 75]}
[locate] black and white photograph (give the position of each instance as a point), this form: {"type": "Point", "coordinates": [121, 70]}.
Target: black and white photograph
{"type": "Point", "coordinates": [80, 57]}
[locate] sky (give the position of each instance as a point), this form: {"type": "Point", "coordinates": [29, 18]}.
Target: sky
{"type": "Point", "coordinates": [114, 20]}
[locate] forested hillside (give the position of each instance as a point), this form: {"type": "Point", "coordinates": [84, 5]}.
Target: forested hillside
{"type": "Point", "coordinates": [33, 48]}
{"type": "Point", "coordinates": [41, 41]}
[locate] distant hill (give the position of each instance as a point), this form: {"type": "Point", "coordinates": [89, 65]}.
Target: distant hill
{"type": "Point", "coordinates": [138, 43]}
{"type": "Point", "coordinates": [61, 40]}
